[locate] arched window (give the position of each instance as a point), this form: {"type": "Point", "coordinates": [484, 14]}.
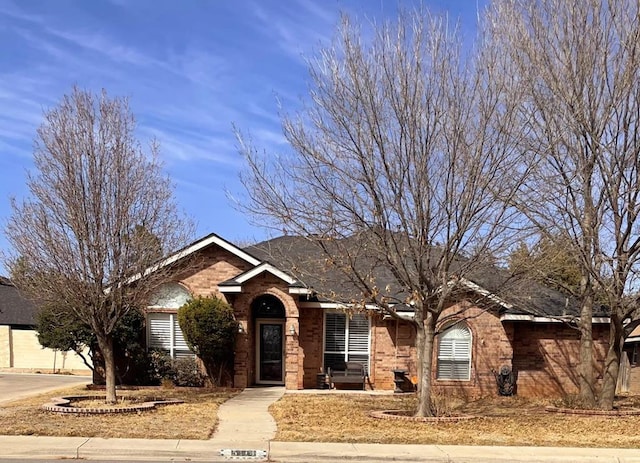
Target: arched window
{"type": "Point", "coordinates": [454, 353]}
{"type": "Point", "coordinates": [267, 306]}
{"type": "Point", "coordinates": [163, 330]}
{"type": "Point", "coordinates": [169, 296]}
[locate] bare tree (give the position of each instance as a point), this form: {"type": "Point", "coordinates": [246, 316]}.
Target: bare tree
{"type": "Point", "coordinates": [396, 167]}
{"type": "Point", "coordinates": [578, 65]}
{"type": "Point", "coordinates": [100, 211]}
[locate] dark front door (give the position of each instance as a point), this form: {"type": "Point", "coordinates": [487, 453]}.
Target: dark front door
{"type": "Point", "coordinates": [270, 360]}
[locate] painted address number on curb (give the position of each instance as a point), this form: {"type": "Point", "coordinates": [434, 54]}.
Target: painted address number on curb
{"type": "Point", "coordinates": [241, 454]}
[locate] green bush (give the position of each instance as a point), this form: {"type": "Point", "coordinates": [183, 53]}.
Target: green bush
{"type": "Point", "coordinates": [160, 367]}
{"type": "Point", "coordinates": [209, 328]}
{"type": "Point", "coordinates": [63, 330]}
{"type": "Point", "coordinates": [188, 373]}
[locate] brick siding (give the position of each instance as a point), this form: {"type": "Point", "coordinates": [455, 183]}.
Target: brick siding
{"type": "Point", "coordinates": [545, 355]}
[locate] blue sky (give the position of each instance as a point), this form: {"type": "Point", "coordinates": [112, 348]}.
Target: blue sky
{"type": "Point", "coordinates": [190, 68]}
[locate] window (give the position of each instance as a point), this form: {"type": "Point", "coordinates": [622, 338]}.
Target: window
{"type": "Point", "coordinates": [164, 333]}
{"type": "Point", "coordinates": [169, 296]}
{"type": "Point", "coordinates": [346, 339]}
{"type": "Point", "coordinates": [454, 353]}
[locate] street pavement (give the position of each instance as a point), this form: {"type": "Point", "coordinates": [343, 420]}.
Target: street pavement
{"type": "Point", "coordinates": [14, 386]}
{"type": "Point", "coordinates": [246, 430]}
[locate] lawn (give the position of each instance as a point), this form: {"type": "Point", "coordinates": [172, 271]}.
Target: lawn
{"type": "Point", "coordinates": [334, 418]}
{"type": "Point", "coordinates": [196, 418]}
{"type": "Point", "coordinates": [501, 421]}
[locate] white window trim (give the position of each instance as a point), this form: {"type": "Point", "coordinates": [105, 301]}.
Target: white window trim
{"type": "Point", "coordinates": [346, 334]}
{"type": "Point", "coordinates": [173, 322]}
{"type": "Point", "coordinates": [439, 357]}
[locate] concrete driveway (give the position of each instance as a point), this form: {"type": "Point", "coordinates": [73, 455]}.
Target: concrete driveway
{"type": "Point", "coordinates": [15, 386]}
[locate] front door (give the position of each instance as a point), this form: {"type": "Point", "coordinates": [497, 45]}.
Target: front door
{"type": "Point", "coordinates": [270, 344]}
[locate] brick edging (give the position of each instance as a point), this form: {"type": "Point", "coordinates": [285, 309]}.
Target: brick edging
{"type": "Point", "coordinates": [61, 405]}
{"type": "Point", "coordinates": [587, 412]}
{"type": "Point", "coordinates": [401, 415]}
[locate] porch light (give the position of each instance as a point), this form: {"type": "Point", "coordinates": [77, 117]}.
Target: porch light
{"type": "Point", "coordinates": [292, 330]}
{"type": "Point", "coordinates": [240, 328]}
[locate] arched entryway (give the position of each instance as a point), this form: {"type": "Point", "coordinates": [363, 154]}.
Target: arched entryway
{"type": "Point", "coordinates": [269, 316]}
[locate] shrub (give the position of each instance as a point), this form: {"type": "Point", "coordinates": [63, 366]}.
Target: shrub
{"type": "Point", "coordinates": [160, 367]}
{"type": "Point", "coordinates": [574, 402]}
{"type": "Point", "coordinates": [209, 328]}
{"type": "Point", "coordinates": [188, 373]}
{"type": "Point", "coordinates": [440, 405]}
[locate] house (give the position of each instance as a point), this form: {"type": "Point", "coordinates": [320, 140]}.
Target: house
{"type": "Point", "coordinates": [632, 349]}
{"type": "Point", "coordinates": [19, 346]}
{"type": "Point", "coordinates": [289, 334]}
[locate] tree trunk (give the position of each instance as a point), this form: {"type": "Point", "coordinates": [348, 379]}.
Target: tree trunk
{"type": "Point", "coordinates": [424, 350]}
{"type": "Point", "coordinates": [586, 380]}
{"type": "Point", "coordinates": [612, 363]}
{"type": "Point", "coordinates": [105, 342]}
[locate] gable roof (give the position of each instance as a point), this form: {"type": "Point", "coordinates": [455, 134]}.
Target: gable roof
{"type": "Point", "coordinates": [517, 298]}
{"type": "Point", "coordinates": [15, 310]}
{"type": "Point", "coordinates": [198, 245]}
{"type": "Point", "coordinates": [300, 257]}
{"type": "Point", "coordinates": [234, 285]}
{"type": "Point", "coordinates": [302, 265]}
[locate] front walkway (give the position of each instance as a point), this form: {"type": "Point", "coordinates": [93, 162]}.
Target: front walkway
{"type": "Point", "coordinates": [244, 421]}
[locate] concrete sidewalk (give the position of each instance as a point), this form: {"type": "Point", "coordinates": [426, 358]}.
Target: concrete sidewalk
{"type": "Point", "coordinates": [244, 422]}
{"type": "Point", "coordinates": [294, 452]}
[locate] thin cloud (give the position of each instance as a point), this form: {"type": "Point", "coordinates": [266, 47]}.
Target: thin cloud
{"type": "Point", "coordinates": [11, 10]}
{"type": "Point", "coordinates": [298, 30]}
{"type": "Point", "coordinates": [104, 46]}
{"type": "Point", "coordinates": [194, 147]}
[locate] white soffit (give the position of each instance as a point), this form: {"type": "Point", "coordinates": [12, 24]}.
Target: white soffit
{"type": "Point", "coordinates": [536, 319]}
{"type": "Point", "coordinates": [265, 267]}
{"type": "Point", "coordinates": [489, 295]}
{"type": "Point", "coordinates": [230, 289]}
{"type": "Point", "coordinates": [333, 305]}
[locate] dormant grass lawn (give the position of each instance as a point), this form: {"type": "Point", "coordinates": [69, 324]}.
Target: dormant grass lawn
{"type": "Point", "coordinates": [502, 421]}
{"type": "Point", "coordinates": [194, 419]}
{"type": "Point", "coordinates": [333, 418]}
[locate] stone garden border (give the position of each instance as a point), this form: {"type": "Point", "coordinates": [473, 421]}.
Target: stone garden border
{"type": "Point", "coordinates": [403, 415]}
{"type": "Point", "coordinates": [62, 405]}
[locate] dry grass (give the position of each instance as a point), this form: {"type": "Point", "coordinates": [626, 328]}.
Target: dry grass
{"type": "Point", "coordinates": [194, 419]}
{"type": "Point", "coordinates": [502, 421]}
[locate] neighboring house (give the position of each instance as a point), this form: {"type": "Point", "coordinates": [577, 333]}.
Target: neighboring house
{"type": "Point", "coordinates": [289, 334]}
{"type": "Point", "coordinates": [632, 347]}
{"type": "Point", "coordinates": [19, 346]}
